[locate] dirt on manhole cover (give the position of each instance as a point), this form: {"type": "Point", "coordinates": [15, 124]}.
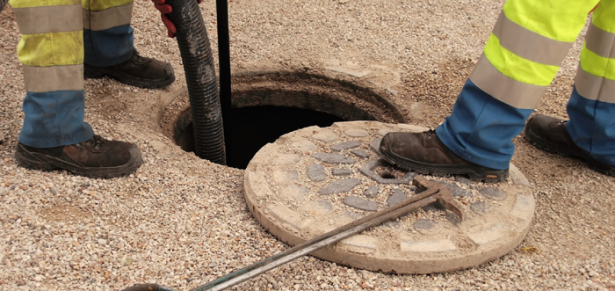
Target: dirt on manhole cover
{"type": "Point", "coordinates": [314, 180]}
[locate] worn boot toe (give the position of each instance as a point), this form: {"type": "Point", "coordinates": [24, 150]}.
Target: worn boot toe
{"type": "Point", "coordinates": [423, 152]}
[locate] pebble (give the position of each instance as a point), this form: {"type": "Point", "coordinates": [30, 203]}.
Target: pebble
{"type": "Point", "coordinates": [356, 132]}
{"type": "Point", "coordinates": [341, 171]}
{"type": "Point", "coordinates": [331, 158]}
{"type": "Point", "coordinates": [316, 172]}
{"type": "Point", "coordinates": [326, 136]}
{"type": "Point", "coordinates": [360, 153]}
{"type": "Point", "coordinates": [425, 226]}
{"type": "Point", "coordinates": [480, 207]}
{"type": "Point", "coordinates": [456, 190]}
{"type": "Point", "coordinates": [318, 207]}
{"type": "Point", "coordinates": [303, 146]}
{"type": "Point", "coordinates": [371, 191]}
{"type": "Point", "coordinates": [493, 193]}
{"type": "Point", "coordinates": [463, 179]}
{"type": "Point", "coordinates": [345, 145]}
{"type": "Point", "coordinates": [295, 191]}
{"type": "Point", "coordinates": [375, 145]}
{"type": "Point", "coordinates": [397, 196]}
{"type": "Point", "coordinates": [339, 186]}
{"type": "Point", "coordinates": [360, 203]}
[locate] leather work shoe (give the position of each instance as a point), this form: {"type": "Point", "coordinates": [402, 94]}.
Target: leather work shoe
{"type": "Point", "coordinates": [551, 135]}
{"type": "Point", "coordinates": [138, 71]}
{"type": "Point", "coordinates": [94, 158]}
{"type": "Point", "coordinates": [424, 153]}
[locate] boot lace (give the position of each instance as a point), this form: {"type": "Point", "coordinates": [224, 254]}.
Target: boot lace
{"type": "Point", "coordinates": [138, 59]}
{"type": "Point", "coordinates": [97, 142]}
{"type": "Point", "coordinates": [429, 133]}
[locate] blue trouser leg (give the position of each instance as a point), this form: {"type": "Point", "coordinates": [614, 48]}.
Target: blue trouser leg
{"type": "Point", "coordinates": [481, 128]}
{"type": "Point", "coordinates": [54, 119]}
{"type": "Point", "coordinates": [592, 126]}
{"type": "Point", "coordinates": [108, 47]}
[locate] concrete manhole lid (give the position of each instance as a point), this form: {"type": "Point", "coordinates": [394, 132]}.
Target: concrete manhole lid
{"type": "Point", "coordinates": [314, 180]}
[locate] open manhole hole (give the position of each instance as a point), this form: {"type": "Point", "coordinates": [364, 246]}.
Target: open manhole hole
{"type": "Point", "coordinates": [266, 106]}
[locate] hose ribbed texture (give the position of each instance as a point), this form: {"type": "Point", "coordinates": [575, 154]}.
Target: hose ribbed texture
{"type": "Point", "coordinates": [200, 71]}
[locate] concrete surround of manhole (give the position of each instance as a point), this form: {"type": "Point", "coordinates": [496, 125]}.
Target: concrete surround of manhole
{"type": "Point", "coordinates": [314, 180]}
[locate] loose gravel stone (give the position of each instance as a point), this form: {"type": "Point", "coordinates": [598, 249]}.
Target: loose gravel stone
{"type": "Point", "coordinates": [339, 186]}
{"type": "Point", "coordinates": [463, 179]}
{"type": "Point", "coordinates": [360, 153]}
{"type": "Point", "coordinates": [425, 226]}
{"type": "Point", "coordinates": [303, 146]}
{"type": "Point", "coordinates": [353, 215]}
{"type": "Point", "coordinates": [356, 132]}
{"type": "Point", "coordinates": [295, 191]}
{"type": "Point", "coordinates": [331, 158]}
{"type": "Point", "coordinates": [360, 203]}
{"type": "Point", "coordinates": [493, 193]}
{"type": "Point", "coordinates": [326, 136]}
{"type": "Point", "coordinates": [480, 207]}
{"type": "Point", "coordinates": [345, 145]}
{"type": "Point", "coordinates": [285, 176]}
{"type": "Point", "coordinates": [318, 207]}
{"type": "Point", "coordinates": [375, 145]}
{"type": "Point", "coordinates": [456, 190]}
{"type": "Point", "coordinates": [316, 172]}
{"type": "Point", "coordinates": [397, 196]}
{"type": "Point", "coordinates": [341, 171]}
{"type": "Point", "coordinates": [371, 191]}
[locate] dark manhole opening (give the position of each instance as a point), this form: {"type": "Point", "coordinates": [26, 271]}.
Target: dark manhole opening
{"type": "Point", "coordinates": [266, 106]}
{"type": "Point", "coordinates": [254, 127]}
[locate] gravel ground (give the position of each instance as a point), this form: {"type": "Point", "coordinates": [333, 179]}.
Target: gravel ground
{"type": "Point", "coordinates": [181, 221]}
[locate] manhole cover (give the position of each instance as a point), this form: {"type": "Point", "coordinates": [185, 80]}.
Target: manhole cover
{"type": "Point", "coordinates": [314, 180]}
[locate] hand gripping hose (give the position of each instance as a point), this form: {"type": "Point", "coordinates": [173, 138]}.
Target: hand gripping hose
{"type": "Point", "coordinates": [198, 62]}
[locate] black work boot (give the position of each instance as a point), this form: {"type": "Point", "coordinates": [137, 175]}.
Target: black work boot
{"type": "Point", "coordinates": [551, 135]}
{"type": "Point", "coordinates": [94, 158]}
{"type": "Point", "coordinates": [138, 71]}
{"type": "Point", "coordinates": [424, 153]}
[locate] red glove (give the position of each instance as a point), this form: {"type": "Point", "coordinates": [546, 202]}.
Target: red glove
{"type": "Point", "coordinates": [164, 10]}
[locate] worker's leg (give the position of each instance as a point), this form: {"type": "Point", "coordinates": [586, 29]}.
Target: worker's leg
{"type": "Point", "coordinates": [519, 61]}
{"type": "Point", "coordinates": [521, 58]}
{"type": "Point", "coordinates": [54, 135]}
{"type": "Point", "coordinates": [51, 51]}
{"type": "Point", "coordinates": [109, 49]}
{"type": "Point", "coordinates": [592, 105]}
{"type": "Point", "coordinates": [107, 34]}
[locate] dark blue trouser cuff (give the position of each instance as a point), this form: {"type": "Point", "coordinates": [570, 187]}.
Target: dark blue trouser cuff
{"type": "Point", "coordinates": [481, 128]}
{"type": "Point", "coordinates": [54, 119]}
{"type": "Point", "coordinates": [592, 126]}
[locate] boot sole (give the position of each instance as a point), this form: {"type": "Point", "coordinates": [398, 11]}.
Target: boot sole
{"type": "Point", "coordinates": [552, 148]}
{"type": "Point", "coordinates": [94, 73]}
{"type": "Point", "coordinates": [38, 161]}
{"type": "Point", "coordinates": [476, 173]}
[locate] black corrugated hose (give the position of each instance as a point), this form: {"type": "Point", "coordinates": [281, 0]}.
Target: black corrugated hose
{"type": "Point", "coordinates": [200, 71]}
{"type": "Point", "coordinates": [2, 3]}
